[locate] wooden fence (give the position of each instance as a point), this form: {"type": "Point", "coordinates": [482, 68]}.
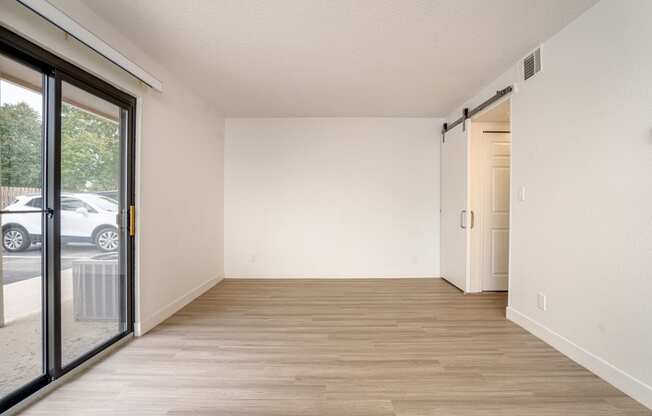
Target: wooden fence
{"type": "Point", "coordinates": [8, 194]}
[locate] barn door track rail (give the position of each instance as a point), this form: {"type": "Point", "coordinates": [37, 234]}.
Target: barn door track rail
{"type": "Point", "coordinates": [466, 113]}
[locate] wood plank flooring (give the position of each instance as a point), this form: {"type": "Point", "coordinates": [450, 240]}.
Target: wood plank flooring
{"type": "Point", "coordinates": [404, 347]}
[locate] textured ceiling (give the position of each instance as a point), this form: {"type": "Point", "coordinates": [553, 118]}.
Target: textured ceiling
{"type": "Point", "coordinates": [338, 57]}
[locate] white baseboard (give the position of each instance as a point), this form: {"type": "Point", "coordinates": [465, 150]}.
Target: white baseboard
{"type": "Point", "coordinates": [603, 369]}
{"type": "Point", "coordinates": [144, 325]}
{"type": "Point", "coordinates": [252, 277]}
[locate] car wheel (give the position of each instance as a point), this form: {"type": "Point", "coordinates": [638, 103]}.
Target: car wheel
{"type": "Point", "coordinates": [15, 238]}
{"type": "Point", "coordinates": [107, 239]}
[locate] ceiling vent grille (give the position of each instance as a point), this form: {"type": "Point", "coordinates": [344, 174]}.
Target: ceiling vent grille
{"type": "Point", "coordinates": [532, 64]}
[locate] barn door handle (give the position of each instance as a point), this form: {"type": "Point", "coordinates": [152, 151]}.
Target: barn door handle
{"type": "Point", "coordinates": [463, 219]}
{"type": "Point", "coordinates": [472, 219]}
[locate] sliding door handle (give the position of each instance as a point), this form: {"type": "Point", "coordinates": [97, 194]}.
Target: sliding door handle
{"type": "Point", "coordinates": [132, 220]}
{"type": "Point", "coordinates": [472, 219]}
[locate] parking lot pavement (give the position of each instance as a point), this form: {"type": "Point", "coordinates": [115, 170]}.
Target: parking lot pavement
{"type": "Point", "coordinates": [27, 264]}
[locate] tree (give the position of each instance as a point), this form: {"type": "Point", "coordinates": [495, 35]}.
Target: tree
{"type": "Point", "coordinates": [20, 146]}
{"type": "Point", "coordinates": [90, 149]}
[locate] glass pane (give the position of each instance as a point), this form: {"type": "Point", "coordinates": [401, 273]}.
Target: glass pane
{"type": "Point", "coordinates": [92, 281]}
{"type": "Point", "coordinates": [21, 178]}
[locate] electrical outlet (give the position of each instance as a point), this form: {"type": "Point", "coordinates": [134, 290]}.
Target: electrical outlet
{"type": "Point", "coordinates": [542, 302]}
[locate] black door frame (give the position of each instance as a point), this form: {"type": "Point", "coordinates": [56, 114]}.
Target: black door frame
{"type": "Point", "coordinates": [55, 70]}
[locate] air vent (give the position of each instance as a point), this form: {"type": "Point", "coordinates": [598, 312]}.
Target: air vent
{"type": "Point", "coordinates": [532, 64]}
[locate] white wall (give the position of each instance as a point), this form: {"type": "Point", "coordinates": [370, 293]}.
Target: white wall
{"type": "Point", "coordinates": [332, 197]}
{"type": "Point", "coordinates": [180, 158]}
{"type": "Point", "coordinates": [582, 145]}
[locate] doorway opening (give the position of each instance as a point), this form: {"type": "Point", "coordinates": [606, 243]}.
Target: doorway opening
{"type": "Point", "coordinates": [490, 147]}
{"type": "Point", "coordinates": [475, 196]}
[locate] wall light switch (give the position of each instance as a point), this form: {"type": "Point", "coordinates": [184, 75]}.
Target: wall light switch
{"type": "Point", "coordinates": [521, 194]}
{"type": "Point", "coordinates": [542, 302]}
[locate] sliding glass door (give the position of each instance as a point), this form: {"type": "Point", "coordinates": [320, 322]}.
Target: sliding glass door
{"type": "Point", "coordinates": [91, 230]}
{"type": "Point", "coordinates": [21, 194]}
{"type": "Point", "coordinates": [66, 189]}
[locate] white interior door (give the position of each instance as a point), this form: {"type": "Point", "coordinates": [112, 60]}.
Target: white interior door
{"type": "Point", "coordinates": [496, 208]}
{"type": "Point", "coordinates": [454, 208]}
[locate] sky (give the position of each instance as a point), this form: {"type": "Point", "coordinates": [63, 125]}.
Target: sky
{"type": "Point", "coordinates": [13, 94]}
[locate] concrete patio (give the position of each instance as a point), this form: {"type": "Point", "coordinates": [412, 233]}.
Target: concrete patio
{"type": "Point", "coordinates": [21, 336]}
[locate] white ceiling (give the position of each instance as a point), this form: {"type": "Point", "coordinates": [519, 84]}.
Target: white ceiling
{"type": "Point", "coordinates": [338, 57]}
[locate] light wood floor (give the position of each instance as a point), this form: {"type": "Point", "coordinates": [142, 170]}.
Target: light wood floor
{"type": "Point", "coordinates": [338, 347]}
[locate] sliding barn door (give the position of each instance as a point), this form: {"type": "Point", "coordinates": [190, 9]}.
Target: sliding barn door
{"type": "Point", "coordinates": [455, 217]}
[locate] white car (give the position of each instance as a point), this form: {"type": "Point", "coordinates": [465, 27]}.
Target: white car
{"type": "Point", "coordinates": [85, 218]}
